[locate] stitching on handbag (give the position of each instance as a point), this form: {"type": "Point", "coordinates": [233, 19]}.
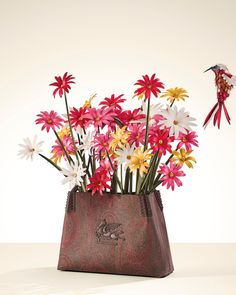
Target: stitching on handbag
{"type": "Point", "coordinates": [159, 200]}
{"type": "Point", "coordinates": [71, 202]}
{"type": "Point", "coordinates": [146, 210]}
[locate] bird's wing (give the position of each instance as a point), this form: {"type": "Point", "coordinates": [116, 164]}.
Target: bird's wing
{"type": "Point", "coordinates": [112, 226]}
{"type": "Point", "coordinates": [230, 81]}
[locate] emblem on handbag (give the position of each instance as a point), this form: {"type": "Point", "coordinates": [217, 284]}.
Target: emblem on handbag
{"type": "Point", "coordinates": [109, 232]}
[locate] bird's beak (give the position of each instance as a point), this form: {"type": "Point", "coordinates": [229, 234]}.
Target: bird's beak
{"type": "Point", "coordinates": [207, 69]}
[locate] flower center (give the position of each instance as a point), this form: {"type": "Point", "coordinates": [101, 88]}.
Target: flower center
{"type": "Point", "coordinates": [183, 159]}
{"type": "Point", "coordinates": [149, 86]}
{"type": "Point", "coordinates": [160, 141]}
{"type": "Point", "coordinates": [74, 175]}
{"type": "Point", "coordinates": [97, 118]}
{"type": "Point", "coordinates": [171, 174]}
{"type": "Point", "coordinates": [175, 122]}
{"type": "Point", "coordinates": [49, 121]}
{"type": "Point", "coordinates": [128, 157]}
{"type": "Point", "coordinates": [184, 139]}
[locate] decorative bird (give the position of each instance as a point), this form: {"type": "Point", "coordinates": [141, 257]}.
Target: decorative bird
{"type": "Point", "coordinates": [111, 231]}
{"type": "Point", "coordinates": [224, 83]}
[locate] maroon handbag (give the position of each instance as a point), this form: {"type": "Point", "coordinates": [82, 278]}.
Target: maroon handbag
{"type": "Point", "coordinates": [114, 233]}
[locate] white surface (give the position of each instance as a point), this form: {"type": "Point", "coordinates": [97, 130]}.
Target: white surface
{"type": "Point", "coordinates": [108, 45]}
{"type": "Point", "coordinates": [208, 269]}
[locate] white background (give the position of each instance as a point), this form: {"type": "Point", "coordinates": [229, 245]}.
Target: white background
{"type": "Point", "coordinates": [108, 45]}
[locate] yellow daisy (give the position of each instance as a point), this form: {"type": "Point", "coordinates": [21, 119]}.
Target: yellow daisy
{"type": "Point", "coordinates": [119, 138]}
{"type": "Point", "coordinates": [87, 103]}
{"type": "Point", "coordinates": [176, 93]}
{"type": "Point", "coordinates": [183, 157]}
{"type": "Point", "coordinates": [140, 160]}
{"type": "Point", "coordinates": [65, 131]}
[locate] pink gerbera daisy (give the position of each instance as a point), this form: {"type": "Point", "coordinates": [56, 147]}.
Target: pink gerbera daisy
{"type": "Point", "coordinates": [99, 117]}
{"type": "Point", "coordinates": [170, 175]}
{"type": "Point", "coordinates": [101, 143]}
{"type": "Point", "coordinates": [160, 140]}
{"type": "Point", "coordinates": [149, 85]}
{"type": "Point", "coordinates": [137, 134]}
{"type": "Point", "coordinates": [49, 120]}
{"type": "Point", "coordinates": [98, 183]}
{"type": "Point", "coordinates": [188, 139]}
{"type": "Point", "coordinates": [62, 84]}
{"type": "Point", "coordinates": [58, 151]}
{"type": "Point", "coordinates": [112, 102]}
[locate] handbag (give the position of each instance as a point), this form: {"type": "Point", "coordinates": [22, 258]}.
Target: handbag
{"type": "Point", "coordinates": [116, 234]}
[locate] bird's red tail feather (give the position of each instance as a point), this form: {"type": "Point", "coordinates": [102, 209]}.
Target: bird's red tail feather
{"type": "Point", "coordinates": [216, 111]}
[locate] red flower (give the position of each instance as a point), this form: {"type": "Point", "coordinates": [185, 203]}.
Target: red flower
{"type": "Point", "coordinates": [188, 140]}
{"type": "Point", "coordinates": [128, 116]}
{"type": "Point", "coordinates": [99, 117]}
{"type": "Point", "coordinates": [98, 182]}
{"type": "Point", "coordinates": [62, 83]}
{"type": "Point", "coordinates": [49, 120]}
{"type": "Point", "coordinates": [105, 167]}
{"type": "Point", "coordinates": [112, 102]}
{"type": "Point", "coordinates": [148, 86]}
{"type": "Point", "coordinates": [137, 134]}
{"type": "Point", "coordinates": [171, 175]}
{"type": "Point", "coordinates": [76, 117]}
{"type": "Point", "coordinates": [159, 140]}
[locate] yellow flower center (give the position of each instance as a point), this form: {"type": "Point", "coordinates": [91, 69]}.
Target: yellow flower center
{"type": "Point", "coordinates": [175, 122]}
{"type": "Point", "coordinates": [160, 141]}
{"type": "Point", "coordinates": [97, 118]}
{"type": "Point", "coordinates": [49, 121]}
{"type": "Point", "coordinates": [184, 139]}
{"type": "Point", "coordinates": [171, 174]}
{"type": "Point", "coordinates": [149, 86]}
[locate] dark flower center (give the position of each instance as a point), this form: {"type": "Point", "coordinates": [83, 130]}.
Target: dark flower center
{"type": "Point", "coordinates": [49, 121]}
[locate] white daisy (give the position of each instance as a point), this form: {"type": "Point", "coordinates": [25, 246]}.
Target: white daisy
{"type": "Point", "coordinates": [177, 121]}
{"type": "Point", "coordinates": [73, 174]}
{"type": "Point", "coordinates": [124, 155]}
{"type": "Point", "coordinates": [30, 149]}
{"type": "Point", "coordinates": [87, 141]}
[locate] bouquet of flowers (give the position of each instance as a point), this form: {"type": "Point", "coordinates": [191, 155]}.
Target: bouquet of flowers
{"type": "Point", "coordinates": [111, 149]}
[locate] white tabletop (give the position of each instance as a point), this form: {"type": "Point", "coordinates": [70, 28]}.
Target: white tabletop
{"type": "Point", "coordinates": [199, 269]}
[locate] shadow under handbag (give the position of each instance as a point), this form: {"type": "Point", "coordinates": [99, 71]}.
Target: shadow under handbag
{"type": "Point", "coordinates": [115, 233]}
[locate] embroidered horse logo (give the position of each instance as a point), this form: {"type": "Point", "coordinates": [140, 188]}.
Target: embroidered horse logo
{"type": "Point", "coordinates": [109, 232]}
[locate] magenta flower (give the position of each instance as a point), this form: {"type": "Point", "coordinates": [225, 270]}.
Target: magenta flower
{"type": "Point", "coordinates": [101, 143]}
{"type": "Point", "coordinates": [58, 151]}
{"type": "Point", "coordinates": [187, 140]}
{"type": "Point", "coordinates": [170, 175]}
{"type": "Point", "coordinates": [99, 117]}
{"type": "Point", "coordinates": [137, 134]}
{"type": "Point", "coordinates": [49, 120]}
{"type": "Point", "coordinates": [62, 84]}
{"type": "Point", "coordinates": [159, 139]}
{"type": "Point", "coordinates": [112, 102]}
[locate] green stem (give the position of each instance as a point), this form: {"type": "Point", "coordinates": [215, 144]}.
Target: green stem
{"type": "Point", "coordinates": [127, 177]}
{"type": "Point", "coordinates": [64, 150]}
{"type": "Point", "coordinates": [115, 174]}
{"type": "Point", "coordinates": [131, 183]}
{"type": "Point", "coordinates": [147, 124]}
{"type": "Point", "coordinates": [172, 103]}
{"type": "Point", "coordinates": [51, 162]}
{"type": "Point", "coordinates": [71, 132]}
